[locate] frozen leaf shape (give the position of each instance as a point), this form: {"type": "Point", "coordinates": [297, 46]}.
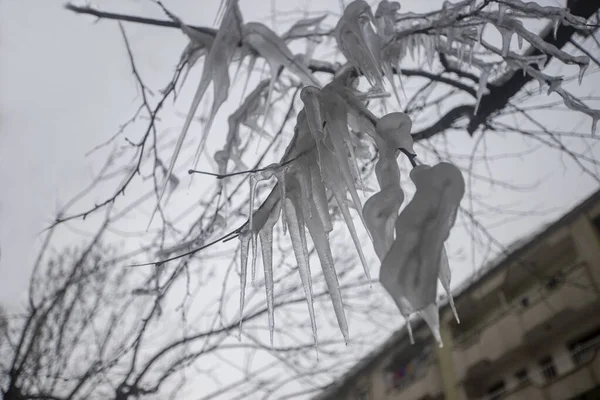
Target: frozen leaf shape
{"type": "Point", "coordinates": [360, 118]}
{"type": "Point", "coordinates": [385, 18]}
{"type": "Point", "coordinates": [216, 70]}
{"type": "Point", "coordinates": [410, 270]}
{"type": "Point", "coordinates": [358, 42]}
{"type": "Point", "coordinates": [231, 150]}
{"type": "Point", "coordinates": [199, 45]}
{"type": "Point", "coordinates": [274, 49]}
{"type": "Point", "coordinates": [394, 130]}
{"type": "Point", "coordinates": [380, 212]}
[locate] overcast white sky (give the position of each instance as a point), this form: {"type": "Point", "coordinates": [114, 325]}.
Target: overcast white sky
{"type": "Point", "coordinates": [66, 86]}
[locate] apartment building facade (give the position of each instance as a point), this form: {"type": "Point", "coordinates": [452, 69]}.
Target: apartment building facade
{"type": "Point", "coordinates": [529, 329]}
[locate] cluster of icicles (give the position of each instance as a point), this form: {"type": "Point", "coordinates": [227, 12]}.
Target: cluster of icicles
{"type": "Point", "coordinates": [321, 165]}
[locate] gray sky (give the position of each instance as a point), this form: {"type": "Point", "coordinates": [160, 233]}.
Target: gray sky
{"type": "Point", "coordinates": [66, 86]}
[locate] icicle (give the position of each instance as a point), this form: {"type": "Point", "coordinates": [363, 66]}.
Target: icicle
{"type": "Point", "coordinates": [557, 23]}
{"type": "Point", "coordinates": [336, 116]}
{"type": "Point", "coordinates": [253, 182]}
{"type": "Point", "coordinates": [251, 64]}
{"type": "Point", "coordinates": [461, 55]}
{"type": "Point", "coordinates": [280, 175]}
{"type": "Point", "coordinates": [582, 69]}
{"type": "Point", "coordinates": [321, 243]}
{"type": "Point", "coordinates": [445, 276]}
{"type": "Point", "coordinates": [244, 240]}
{"type": "Point", "coordinates": [431, 316]}
{"type": "Point", "coordinates": [470, 55]}
{"type": "Point", "coordinates": [298, 237]}
{"type": "Point", "coordinates": [334, 182]}
{"type": "Point", "coordinates": [387, 70]}
{"type": "Point", "coordinates": [319, 196]}
{"type": "Point", "coordinates": [266, 245]}
{"type": "Point", "coordinates": [409, 328]}
{"type": "Point", "coordinates": [519, 41]}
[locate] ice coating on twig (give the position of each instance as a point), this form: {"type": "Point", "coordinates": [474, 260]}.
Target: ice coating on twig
{"type": "Point", "coordinates": [577, 105]}
{"type": "Point", "coordinates": [305, 28]}
{"type": "Point", "coordinates": [359, 43]}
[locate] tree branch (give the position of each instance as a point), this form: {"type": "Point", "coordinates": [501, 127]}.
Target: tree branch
{"type": "Point", "coordinates": [445, 122]}
{"type": "Point", "coordinates": [131, 18]}
{"type": "Point", "coordinates": [499, 96]}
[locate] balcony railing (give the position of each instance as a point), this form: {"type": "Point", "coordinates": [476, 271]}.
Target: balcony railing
{"type": "Point", "coordinates": [506, 330]}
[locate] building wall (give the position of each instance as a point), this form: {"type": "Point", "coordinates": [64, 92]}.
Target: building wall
{"type": "Point", "coordinates": [524, 315]}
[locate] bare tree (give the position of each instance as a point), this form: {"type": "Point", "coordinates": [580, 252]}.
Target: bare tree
{"type": "Point", "coordinates": [93, 329]}
{"type": "Point", "coordinates": [172, 325]}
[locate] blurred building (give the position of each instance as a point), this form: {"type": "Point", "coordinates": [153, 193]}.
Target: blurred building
{"type": "Point", "coordinates": [530, 329]}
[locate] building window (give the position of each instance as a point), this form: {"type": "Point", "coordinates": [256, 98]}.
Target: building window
{"type": "Point", "coordinates": [555, 280]}
{"type": "Point", "coordinates": [596, 223]}
{"type": "Point", "coordinates": [362, 394]}
{"type": "Point", "coordinates": [548, 368]}
{"type": "Point", "coordinates": [521, 375]}
{"type": "Point", "coordinates": [495, 391]}
{"type": "Point", "coordinates": [583, 349]}
{"type": "Point", "coordinates": [401, 377]}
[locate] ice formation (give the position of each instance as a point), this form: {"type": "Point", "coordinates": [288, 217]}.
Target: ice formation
{"type": "Point", "coordinates": [321, 166]}
{"type": "Point", "coordinates": [411, 267]}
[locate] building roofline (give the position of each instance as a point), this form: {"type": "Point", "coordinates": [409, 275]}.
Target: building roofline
{"type": "Point", "coordinates": [523, 245]}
